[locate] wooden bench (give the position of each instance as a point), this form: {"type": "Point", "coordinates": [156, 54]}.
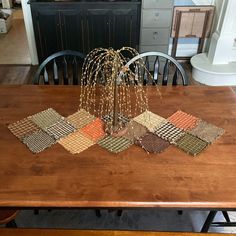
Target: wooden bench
{"type": "Point", "coordinates": [58, 232]}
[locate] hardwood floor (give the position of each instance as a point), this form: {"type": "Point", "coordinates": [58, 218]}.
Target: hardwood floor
{"type": "Point", "coordinates": [14, 45]}
{"type": "Point", "coordinates": [10, 74]}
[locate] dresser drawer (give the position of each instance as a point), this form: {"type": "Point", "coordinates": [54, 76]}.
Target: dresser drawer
{"type": "Point", "coordinates": [157, 18]}
{"type": "Point", "coordinates": [150, 4]}
{"type": "Point", "coordinates": [155, 36]}
{"type": "Point", "coordinates": [154, 48]}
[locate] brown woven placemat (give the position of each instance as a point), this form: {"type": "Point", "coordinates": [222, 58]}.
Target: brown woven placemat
{"type": "Point", "coordinates": [135, 130]}
{"type": "Point", "coordinates": [23, 128]}
{"type": "Point", "coordinates": [115, 144]}
{"type": "Point", "coordinates": [207, 132]}
{"type": "Point", "coordinates": [76, 142]}
{"type": "Point", "coordinates": [191, 144]}
{"type": "Point", "coordinates": [38, 141]}
{"type": "Point", "coordinates": [169, 132]}
{"type": "Point", "coordinates": [152, 143]}
{"type": "Point", "coordinates": [121, 118]}
{"type": "Point", "coordinates": [150, 120]}
{"type": "Point", "coordinates": [183, 120]}
{"type": "Point", "coordinates": [60, 129]}
{"type": "Point", "coordinates": [80, 119]}
{"type": "Point", "coordinates": [46, 118]}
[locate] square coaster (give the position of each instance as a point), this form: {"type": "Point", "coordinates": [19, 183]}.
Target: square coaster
{"type": "Point", "coordinates": [135, 130]}
{"type": "Point", "coordinates": [94, 130]}
{"type": "Point", "coordinates": [150, 120]}
{"type": "Point", "coordinates": [23, 128]}
{"type": "Point", "coordinates": [115, 144]}
{"type": "Point", "coordinates": [38, 141]}
{"type": "Point", "coordinates": [191, 144]}
{"type": "Point", "coordinates": [46, 118]}
{"type": "Point", "coordinates": [60, 129]}
{"type": "Point", "coordinates": [152, 143]}
{"type": "Point", "coordinates": [183, 120]}
{"type": "Point", "coordinates": [207, 132]}
{"type": "Point", "coordinates": [76, 142]}
{"type": "Point", "coordinates": [169, 132]}
{"type": "Point", "coordinates": [80, 118]}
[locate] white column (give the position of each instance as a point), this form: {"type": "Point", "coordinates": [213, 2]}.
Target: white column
{"type": "Point", "coordinates": [30, 32]}
{"type": "Point", "coordinates": [222, 40]}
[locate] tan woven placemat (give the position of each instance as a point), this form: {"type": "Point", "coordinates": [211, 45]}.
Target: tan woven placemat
{"type": "Point", "coordinates": [207, 132]}
{"type": "Point", "coordinates": [152, 143]}
{"type": "Point", "coordinates": [169, 132]}
{"type": "Point", "coordinates": [38, 141]}
{"type": "Point", "coordinates": [183, 120]}
{"type": "Point", "coordinates": [23, 128]}
{"type": "Point", "coordinates": [94, 130]}
{"type": "Point", "coordinates": [46, 118]}
{"type": "Point", "coordinates": [135, 130]}
{"type": "Point", "coordinates": [60, 129]}
{"type": "Point", "coordinates": [115, 144]}
{"type": "Point", "coordinates": [150, 120]}
{"type": "Point", "coordinates": [191, 144]}
{"type": "Point", "coordinates": [80, 118]}
{"type": "Point", "coordinates": [76, 142]}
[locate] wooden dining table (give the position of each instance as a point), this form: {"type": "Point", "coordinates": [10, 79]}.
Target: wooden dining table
{"type": "Point", "coordinates": [130, 179]}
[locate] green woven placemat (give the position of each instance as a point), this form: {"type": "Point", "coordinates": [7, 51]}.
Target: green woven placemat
{"type": "Point", "coordinates": [46, 118]}
{"type": "Point", "coordinates": [191, 144]}
{"type": "Point", "coordinates": [115, 144]}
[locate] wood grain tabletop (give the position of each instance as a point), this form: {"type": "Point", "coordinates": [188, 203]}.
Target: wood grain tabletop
{"type": "Point", "coordinates": [132, 178]}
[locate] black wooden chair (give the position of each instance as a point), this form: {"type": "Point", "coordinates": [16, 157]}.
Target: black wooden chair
{"type": "Point", "coordinates": [210, 221]}
{"type": "Point", "coordinates": [160, 69]}
{"type": "Point", "coordinates": [60, 68]}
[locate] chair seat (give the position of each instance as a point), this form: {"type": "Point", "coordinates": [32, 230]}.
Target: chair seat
{"type": "Point", "coordinates": [7, 215]}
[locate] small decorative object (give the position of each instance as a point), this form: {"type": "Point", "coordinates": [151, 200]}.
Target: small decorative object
{"type": "Point", "coordinates": [107, 86]}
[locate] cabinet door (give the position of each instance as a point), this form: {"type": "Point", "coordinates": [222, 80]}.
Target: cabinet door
{"type": "Point", "coordinates": [48, 39]}
{"type": "Point", "coordinates": [125, 27]}
{"type": "Point", "coordinates": [98, 27]}
{"type": "Point", "coordinates": [72, 27]}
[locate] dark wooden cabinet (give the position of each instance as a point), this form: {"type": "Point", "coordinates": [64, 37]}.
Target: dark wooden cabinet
{"type": "Point", "coordinates": [83, 26]}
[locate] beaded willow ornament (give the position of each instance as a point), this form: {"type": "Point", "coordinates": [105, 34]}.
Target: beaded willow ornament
{"type": "Point", "coordinates": [107, 87]}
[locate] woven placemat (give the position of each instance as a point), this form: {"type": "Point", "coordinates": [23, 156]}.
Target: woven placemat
{"type": "Point", "coordinates": [183, 120]}
{"type": "Point", "coordinates": [23, 128]}
{"type": "Point", "coordinates": [76, 142]}
{"type": "Point", "coordinates": [135, 130]}
{"type": "Point", "coordinates": [191, 144]}
{"type": "Point", "coordinates": [46, 118]}
{"type": "Point", "coordinates": [60, 129]}
{"type": "Point", "coordinates": [207, 132]}
{"type": "Point", "coordinates": [115, 144]}
{"type": "Point", "coordinates": [169, 132]}
{"type": "Point", "coordinates": [152, 143]}
{"type": "Point", "coordinates": [150, 120]}
{"type": "Point", "coordinates": [94, 130]}
{"type": "Point", "coordinates": [80, 118]}
{"type": "Point", "coordinates": [38, 141]}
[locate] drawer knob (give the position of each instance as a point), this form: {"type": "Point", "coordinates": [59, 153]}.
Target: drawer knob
{"type": "Point", "coordinates": [157, 15]}
{"type": "Point", "coordinates": [155, 35]}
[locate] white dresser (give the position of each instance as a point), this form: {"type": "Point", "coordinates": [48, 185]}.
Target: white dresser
{"type": "Point", "coordinates": [156, 20]}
